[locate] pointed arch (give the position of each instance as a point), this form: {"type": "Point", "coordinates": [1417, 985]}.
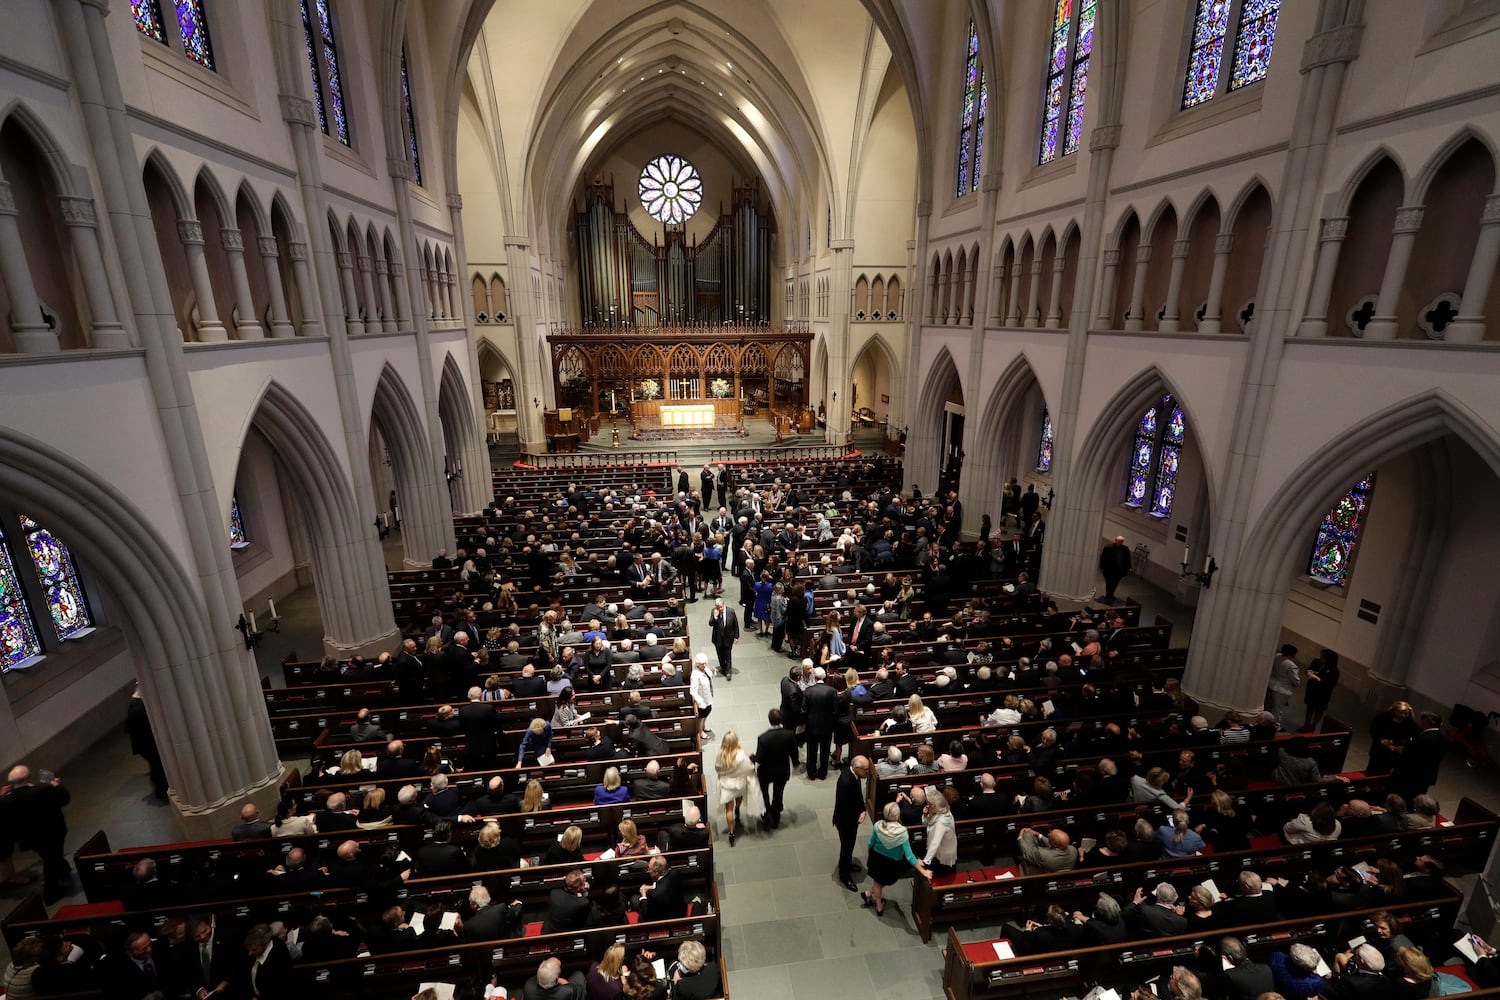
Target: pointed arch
{"type": "Point", "coordinates": [280, 206]}
{"type": "Point", "coordinates": [1422, 183]}
{"type": "Point", "coordinates": [53, 156]}
{"type": "Point", "coordinates": [1205, 198]}
{"type": "Point", "coordinates": [394, 416]}
{"type": "Point", "coordinates": [355, 243]}
{"type": "Point", "coordinates": [461, 432]}
{"type": "Point", "coordinates": [1159, 214]}
{"type": "Point", "coordinates": [924, 445]}
{"type": "Point", "coordinates": [208, 183]}
{"type": "Point", "coordinates": [245, 195]}
{"type": "Point", "coordinates": [1009, 424]}
{"type": "Point", "coordinates": [1122, 227]}
{"type": "Point", "coordinates": [1380, 154]}
{"type": "Point", "coordinates": [172, 182]}
{"type": "Point", "coordinates": [1231, 215]}
{"type": "Point", "coordinates": [339, 234]}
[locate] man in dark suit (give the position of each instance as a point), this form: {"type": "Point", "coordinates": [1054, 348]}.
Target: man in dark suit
{"type": "Point", "coordinates": [1418, 765]}
{"type": "Point", "coordinates": [490, 921]}
{"type": "Point", "coordinates": [986, 803]}
{"type": "Point", "coordinates": [1254, 905]}
{"type": "Point", "coordinates": [690, 833]}
{"type": "Point", "coordinates": [395, 764]}
{"type": "Point", "coordinates": [442, 725]}
{"type": "Point", "coordinates": [335, 818]}
{"type": "Point", "coordinates": [646, 742]}
{"type": "Point", "coordinates": [792, 708]}
{"type": "Point", "coordinates": [294, 874]}
{"type": "Point", "coordinates": [148, 892]}
{"type": "Point", "coordinates": [650, 785]}
{"type": "Point", "coordinates": [251, 826]}
{"type": "Point", "coordinates": [774, 752]}
{"type": "Point", "coordinates": [409, 673]}
{"type": "Point", "coordinates": [207, 959]}
{"type": "Point", "coordinates": [862, 632]}
{"type": "Point", "coordinates": [441, 857]}
{"type": "Point", "coordinates": [1114, 563]}
{"type": "Point", "coordinates": [820, 702]}
{"type": "Point", "coordinates": [1244, 979]}
{"type": "Point", "coordinates": [137, 971]}
{"type": "Point", "coordinates": [1158, 916]}
{"type": "Point", "coordinates": [848, 814]}
{"type": "Point", "coordinates": [495, 801]}
{"type": "Point", "coordinates": [443, 802]}
{"type": "Point", "coordinates": [706, 481]}
{"type": "Point", "coordinates": [569, 907]}
{"type": "Point", "coordinates": [724, 631]}
{"type": "Point", "coordinates": [530, 684]}
{"type": "Point", "coordinates": [481, 729]}
{"type": "Point", "coordinates": [1363, 978]}
{"type": "Point", "coordinates": [662, 899]}
{"type": "Point", "coordinates": [268, 973]}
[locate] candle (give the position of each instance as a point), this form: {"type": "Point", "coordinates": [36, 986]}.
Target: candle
{"type": "Point", "coordinates": [272, 602]}
{"type": "Point", "coordinates": [252, 621]}
{"type": "Point", "coordinates": [1207, 563]}
{"type": "Point", "coordinates": [1185, 559]}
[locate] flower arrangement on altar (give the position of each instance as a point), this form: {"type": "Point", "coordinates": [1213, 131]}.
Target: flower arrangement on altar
{"type": "Point", "coordinates": [719, 388]}
{"type": "Point", "coordinates": [650, 388]}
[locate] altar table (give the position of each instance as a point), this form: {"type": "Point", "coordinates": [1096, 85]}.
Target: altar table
{"type": "Point", "coordinates": [687, 415]}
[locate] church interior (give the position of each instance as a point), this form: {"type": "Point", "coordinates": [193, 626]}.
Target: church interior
{"type": "Point", "coordinates": [302, 302]}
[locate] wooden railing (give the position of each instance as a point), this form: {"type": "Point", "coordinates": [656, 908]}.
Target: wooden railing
{"type": "Point", "coordinates": [634, 459]}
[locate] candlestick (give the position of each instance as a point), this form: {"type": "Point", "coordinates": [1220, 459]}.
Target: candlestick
{"type": "Point", "coordinates": [252, 622]}
{"type": "Point", "coordinates": [1185, 559]}
{"type": "Point", "coordinates": [1207, 562]}
{"type": "Point", "coordinates": [272, 603]}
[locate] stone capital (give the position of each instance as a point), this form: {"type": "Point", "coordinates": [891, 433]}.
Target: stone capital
{"type": "Point", "coordinates": [456, 201]}
{"type": "Point", "coordinates": [1337, 45]}
{"type": "Point", "coordinates": [1491, 210]}
{"type": "Point", "coordinates": [363, 263]}
{"type": "Point", "coordinates": [232, 240]}
{"type": "Point", "coordinates": [298, 110]}
{"type": "Point", "coordinates": [1059, 264]}
{"type": "Point", "coordinates": [381, 267]}
{"type": "Point", "coordinates": [344, 259]}
{"type": "Point", "coordinates": [397, 166]}
{"type": "Point", "coordinates": [296, 251]}
{"type": "Point", "coordinates": [841, 244]}
{"type": "Point", "coordinates": [78, 212]}
{"type": "Point", "coordinates": [1111, 258]}
{"type": "Point", "coordinates": [1334, 229]}
{"type": "Point", "coordinates": [190, 231]}
{"type": "Point", "coordinates": [1224, 243]}
{"type": "Point", "coordinates": [518, 242]}
{"type": "Point", "coordinates": [267, 246]}
{"type": "Point", "coordinates": [1104, 137]}
{"type": "Point", "coordinates": [991, 181]}
{"type": "Point", "coordinates": [1181, 248]}
{"type": "Point", "coordinates": [1143, 254]}
{"type": "Point", "coordinates": [924, 207]}
{"type": "Point", "coordinates": [1036, 267]}
{"type": "Point", "coordinates": [100, 5]}
{"type": "Point", "coordinates": [1408, 219]}
{"type": "Point", "coordinates": [7, 199]}
{"type": "Point", "coordinates": [396, 270]}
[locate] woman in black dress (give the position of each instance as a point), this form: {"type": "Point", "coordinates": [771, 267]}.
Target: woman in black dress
{"type": "Point", "coordinates": [1322, 678]}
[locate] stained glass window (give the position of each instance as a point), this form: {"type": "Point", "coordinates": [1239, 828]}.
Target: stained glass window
{"type": "Point", "coordinates": [1333, 552]}
{"type": "Point", "coordinates": [237, 537]}
{"type": "Point", "coordinates": [1069, 47]}
{"type": "Point", "coordinates": [1254, 24]}
{"type": "Point", "coordinates": [18, 638]}
{"type": "Point", "coordinates": [1044, 451]}
{"type": "Point", "coordinates": [411, 121]}
{"type": "Point", "coordinates": [671, 191]}
{"type": "Point", "coordinates": [194, 28]}
{"type": "Point", "coordinates": [312, 65]}
{"type": "Point", "coordinates": [970, 120]}
{"type": "Point", "coordinates": [59, 579]}
{"type": "Point", "coordinates": [331, 64]}
{"type": "Point", "coordinates": [1252, 43]}
{"type": "Point", "coordinates": [1155, 458]}
{"type": "Point", "coordinates": [148, 21]}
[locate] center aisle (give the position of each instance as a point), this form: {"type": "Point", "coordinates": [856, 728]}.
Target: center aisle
{"type": "Point", "coordinates": [789, 928]}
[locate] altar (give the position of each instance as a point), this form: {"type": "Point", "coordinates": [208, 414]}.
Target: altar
{"type": "Point", "coordinates": [688, 415]}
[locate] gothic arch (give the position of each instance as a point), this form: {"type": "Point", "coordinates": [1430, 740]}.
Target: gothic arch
{"type": "Point", "coordinates": [1232, 214]}
{"type": "Point", "coordinates": [923, 447]}
{"type": "Point", "coordinates": [1205, 198]}
{"type": "Point", "coordinates": [1007, 432]}
{"type": "Point", "coordinates": [461, 433]}
{"type": "Point", "coordinates": [1435, 163]}
{"type": "Point", "coordinates": [348, 572]}
{"type": "Point", "coordinates": [156, 594]}
{"type": "Point", "coordinates": [489, 355]}
{"type": "Point", "coordinates": [207, 182]}
{"type": "Point", "coordinates": [56, 160]}
{"type": "Point", "coordinates": [1345, 198]}
{"type": "Point", "coordinates": [395, 416]}
{"type": "Point", "coordinates": [181, 201]}
{"type": "Point", "coordinates": [246, 194]}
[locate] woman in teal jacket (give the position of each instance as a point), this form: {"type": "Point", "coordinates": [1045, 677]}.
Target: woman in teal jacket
{"type": "Point", "coordinates": [890, 859]}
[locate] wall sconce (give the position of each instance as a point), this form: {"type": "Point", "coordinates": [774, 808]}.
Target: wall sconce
{"type": "Point", "coordinates": [1047, 500]}
{"type": "Point", "coordinates": [1206, 577]}
{"type": "Point", "coordinates": [536, 402]}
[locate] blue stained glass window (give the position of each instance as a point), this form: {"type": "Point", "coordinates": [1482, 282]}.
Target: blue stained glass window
{"type": "Point", "coordinates": [1053, 93]}
{"type": "Point", "coordinates": [1044, 451]}
{"type": "Point", "coordinates": [18, 638]}
{"type": "Point", "coordinates": [59, 579]}
{"type": "Point", "coordinates": [237, 537]}
{"type": "Point", "coordinates": [1155, 458]}
{"type": "Point", "coordinates": [1078, 90]}
{"type": "Point", "coordinates": [312, 64]}
{"type": "Point", "coordinates": [1333, 552]}
{"type": "Point", "coordinates": [984, 100]}
{"type": "Point", "coordinates": [1252, 43]}
{"type": "Point", "coordinates": [971, 121]}
{"type": "Point", "coordinates": [194, 27]}
{"type": "Point", "coordinates": [411, 121]}
{"type": "Point", "coordinates": [331, 64]}
{"type": "Point", "coordinates": [147, 14]}
{"type": "Point", "coordinates": [1066, 87]}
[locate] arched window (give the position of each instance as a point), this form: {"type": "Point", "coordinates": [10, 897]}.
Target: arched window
{"type": "Point", "coordinates": [323, 62]}
{"type": "Point", "coordinates": [971, 122]}
{"type": "Point", "coordinates": [411, 121]}
{"type": "Point", "coordinates": [59, 579]}
{"type": "Point", "coordinates": [191, 27]}
{"type": "Point", "coordinates": [1332, 556]}
{"type": "Point", "coordinates": [1044, 450]}
{"type": "Point", "coordinates": [237, 537]}
{"type": "Point", "coordinates": [1155, 455]}
{"type": "Point", "coordinates": [1254, 29]}
{"type": "Point", "coordinates": [18, 638]}
{"type": "Point", "coordinates": [1067, 78]}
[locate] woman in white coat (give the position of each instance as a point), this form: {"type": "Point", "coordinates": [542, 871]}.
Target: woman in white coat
{"type": "Point", "coordinates": [737, 782]}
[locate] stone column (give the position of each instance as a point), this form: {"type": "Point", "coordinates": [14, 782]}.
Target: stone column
{"type": "Point", "coordinates": [210, 330]}
{"type": "Point", "coordinates": [997, 289]}
{"type": "Point", "coordinates": [531, 379]}
{"type": "Point", "coordinates": [367, 281]}
{"type": "Point", "coordinates": [345, 262]}
{"type": "Point", "coordinates": [932, 293]}
{"type": "Point", "coordinates": [1169, 319]}
{"type": "Point", "coordinates": [1013, 307]}
{"type": "Point", "coordinates": [281, 324]}
{"type": "Point", "coordinates": [106, 331]}
{"type": "Point", "coordinates": [1054, 299]}
{"type": "Point", "coordinates": [403, 294]}
{"type": "Point", "coordinates": [1403, 238]}
{"type": "Point", "coordinates": [841, 284]}
{"type": "Point", "coordinates": [1105, 316]}
{"type": "Point", "coordinates": [1034, 292]}
{"type": "Point", "coordinates": [312, 324]}
{"type": "Point", "coordinates": [452, 284]}
{"type": "Point", "coordinates": [248, 327]}
{"type": "Point", "coordinates": [29, 333]}
{"type": "Point", "coordinates": [1468, 328]}
{"type": "Point", "coordinates": [429, 285]}
{"type": "Point", "coordinates": [478, 488]}
{"type": "Point", "coordinates": [1213, 306]}
{"type": "Point", "coordinates": [383, 285]}
{"type": "Point", "coordinates": [1137, 319]}
{"type": "Point", "coordinates": [1330, 243]}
